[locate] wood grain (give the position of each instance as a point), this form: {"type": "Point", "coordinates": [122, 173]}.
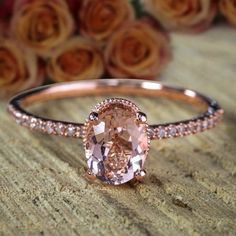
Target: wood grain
{"type": "Point", "coordinates": [190, 188]}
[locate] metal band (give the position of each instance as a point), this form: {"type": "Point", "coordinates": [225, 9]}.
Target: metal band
{"type": "Point", "coordinates": [211, 115]}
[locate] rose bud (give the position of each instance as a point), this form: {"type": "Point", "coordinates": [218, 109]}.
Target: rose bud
{"type": "Point", "coordinates": [228, 9]}
{"type": "Point", "coordinates": [18, 68]}
{"type": "Point", "coordinates": [41, 24]}
{"type": "Point", "coordinates": [137, 51]}
{"type": "Point", "coordinates": [99, 19]}
{"type": "Point", "coordinates": [76, 59]}
{"type": "Point", "coordinates": [188, 15]}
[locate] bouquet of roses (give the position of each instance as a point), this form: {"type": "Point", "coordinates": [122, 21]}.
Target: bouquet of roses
{"type": "Point", "coordinates": [65, 40]}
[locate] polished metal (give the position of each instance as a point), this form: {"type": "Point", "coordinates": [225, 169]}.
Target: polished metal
{"type": "Point", "coordinates": [211, 112]}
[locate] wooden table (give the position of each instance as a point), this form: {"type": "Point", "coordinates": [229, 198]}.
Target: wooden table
{"type": "Point", "coordinates": [190, 188]}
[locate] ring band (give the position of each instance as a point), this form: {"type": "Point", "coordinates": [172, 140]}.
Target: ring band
{"type": "Point", "coordinates": [118, 126]}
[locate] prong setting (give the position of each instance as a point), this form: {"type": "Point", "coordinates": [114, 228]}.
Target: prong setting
{"type": "Point", "coordinates": [90, 175]}
{"type": "Point", "coordinates": [111, 155]}
{"type": "Point", "coordinates": [141, 117]}
{"type": "Point", "coordinates": [93, 116]}
{"type": "Point", "coordinates": [140, 175]}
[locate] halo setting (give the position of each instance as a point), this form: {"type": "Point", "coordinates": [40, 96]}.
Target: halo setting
{"type": "Point", "coordinates": [116, 141]}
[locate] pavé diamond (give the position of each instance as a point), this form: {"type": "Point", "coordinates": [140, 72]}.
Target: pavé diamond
{"type": "Point", "coordinates": [116, 144]}
{"type": "Point", "coordinates": [49, 128]}
{"type": "Point", "coordinates": [172, 131]}
{"type": "Point", "coordinates": [32, 123]}
{"type": "Point", "coordinates": [161, 133]}
{"type": "Point", "coordinates": [70, 131]}
{"type": "Point", "coordinates": [205, 124]}
{"type": "Point", "coordinates": [60, 129]}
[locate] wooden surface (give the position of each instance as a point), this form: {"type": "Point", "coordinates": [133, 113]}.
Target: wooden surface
{"type": "Point", "coordinates": [190, 188]}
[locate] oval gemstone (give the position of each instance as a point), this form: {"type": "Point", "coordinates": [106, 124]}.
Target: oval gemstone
{"type": "Point", "coordinates": [116, 144]}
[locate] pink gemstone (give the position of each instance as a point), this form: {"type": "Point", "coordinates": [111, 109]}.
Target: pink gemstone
{"type": "Point", "coordinates": [116, 144]}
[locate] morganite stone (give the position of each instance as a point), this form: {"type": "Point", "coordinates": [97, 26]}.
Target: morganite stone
{"type": "Point", "coordinates": [116, 145]}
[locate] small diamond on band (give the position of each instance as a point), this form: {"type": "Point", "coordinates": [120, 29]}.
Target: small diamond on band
{"type": "Point", "coordinates": [116, 135]}
{"type": "Point", "coordinates": [70, 131]}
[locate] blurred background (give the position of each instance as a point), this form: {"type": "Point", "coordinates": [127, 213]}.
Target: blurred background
{"type": "Point", "coordinates": [190, 186]}
{"type": "Point", "coordinates": [44, 41]}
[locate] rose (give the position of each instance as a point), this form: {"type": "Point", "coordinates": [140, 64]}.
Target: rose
{"type": "Point", "coordinates": [99, 19]}
{"type": "Point", "coordinates": [185, 15]}
{"type": "Point", "coordinates": [41, 25]}
{"type": "Point", "coordinates": [76, 59]}
{"type": "Point", "coordinates": [137, 51]}
{"type": "Point", "coordinates": [228, 9]}
{"type": "Point", "coordinates": [18, 68]}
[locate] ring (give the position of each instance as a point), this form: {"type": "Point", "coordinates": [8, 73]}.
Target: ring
{"type": "Point", "coordinates": [116, 135]}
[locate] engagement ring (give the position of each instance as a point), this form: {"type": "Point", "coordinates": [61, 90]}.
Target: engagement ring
{"type": "Point", "coordinates": [116, 135]}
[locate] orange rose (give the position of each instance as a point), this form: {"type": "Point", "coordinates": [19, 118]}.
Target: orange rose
{"type": "Point", "coordinates": [41, 24]}
{"type": "Point", "coordinates": [228, 9]}
{"type": "Point", "coordinates": [137, 51]}
{"type": "Point", "coordinates": [18, 68]}
{"type": "Point", "coordinates": [99, 19]}
{"type": "Point", "coordinates": [76, 59]}
{"type": "Point", "coordinates": [185, 15]}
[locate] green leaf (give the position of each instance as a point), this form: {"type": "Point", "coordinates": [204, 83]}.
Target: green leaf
{"type": "Point", "coordinates": [137, 7]}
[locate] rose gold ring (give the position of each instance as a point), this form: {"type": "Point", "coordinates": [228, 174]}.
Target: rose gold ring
{"type": "Point", "coordinates": [116, 135]}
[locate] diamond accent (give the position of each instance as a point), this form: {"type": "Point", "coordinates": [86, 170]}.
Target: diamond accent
{"type": "Point", "coordinates": [201, 123]}
{"type": "Point", "coordinates": [205, 124]}
{"type": "Point", "coordinates": [161, 133]}
{"type": "Point", "coordinates": [32, 122]}
{"type": "Point", "coordinates": [181, 129]}
{"type": "Point", "coordinates": [172, 131]}
{"type": "Point", "coordinates": [70, 131]}
{"type": "Point", "coordinates": [60, 129]}
{"type": "Point", "coordinates": [49, 127]}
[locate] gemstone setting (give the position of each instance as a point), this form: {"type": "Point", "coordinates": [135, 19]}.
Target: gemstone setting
{"type": "Point", "coordinates": [116, 142]}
